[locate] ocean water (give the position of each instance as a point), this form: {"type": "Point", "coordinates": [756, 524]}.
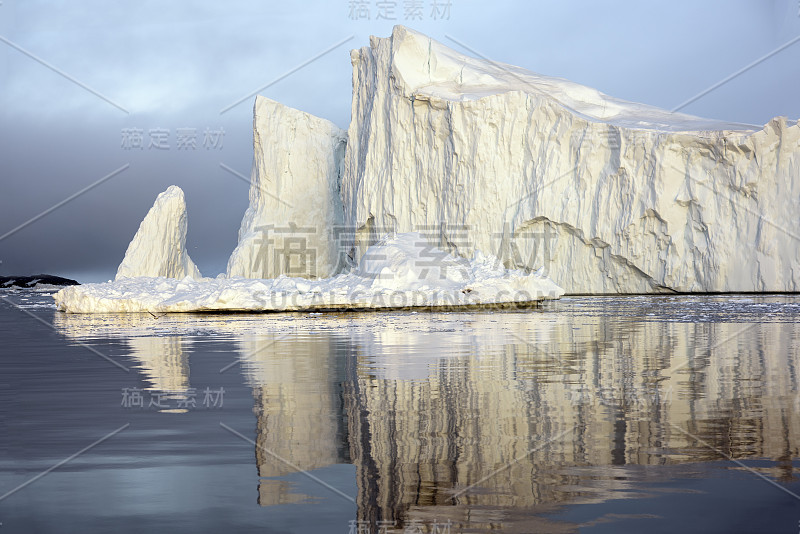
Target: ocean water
{"type": "Point", "coordinates": [607, 414]}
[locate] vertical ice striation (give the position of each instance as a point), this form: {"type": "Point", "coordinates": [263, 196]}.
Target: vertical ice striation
{"type": "Point", "coordinates": [295, 207]}
{"type": "Point", "coordinates": [608, 196]}
{"type": "Point", "coordinates": [159, 246]}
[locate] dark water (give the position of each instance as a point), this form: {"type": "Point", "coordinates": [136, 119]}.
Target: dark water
{"type": "Point", "coordinates": [656, 414]}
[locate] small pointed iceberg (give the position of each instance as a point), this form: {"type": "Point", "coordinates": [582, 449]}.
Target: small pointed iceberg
{"type": "Point", "coordinates": [159, 246]}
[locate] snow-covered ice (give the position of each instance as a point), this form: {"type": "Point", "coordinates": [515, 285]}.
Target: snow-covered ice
{"type": "Point", "coordinates": [399, 272]}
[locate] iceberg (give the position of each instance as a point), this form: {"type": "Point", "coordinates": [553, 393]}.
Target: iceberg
{"type": "Point", "coordinates": [608, 196]}
{"type": "Point", "coordinates": [401, 271]}
{"type": "Point", "coordinates": [291, 223]}
{"type": "Point", "coordinates": [463, 181]}
{"type": "Point", "coordinates": [159, 246]}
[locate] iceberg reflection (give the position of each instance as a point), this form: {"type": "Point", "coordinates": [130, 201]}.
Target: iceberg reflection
{"type": "Point", "coordinates": [496, 420]}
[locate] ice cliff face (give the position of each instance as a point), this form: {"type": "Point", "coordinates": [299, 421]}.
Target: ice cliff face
{"type": "Point", "coordinates": [290, 225]}
{"type": "Point", "coordinates": [159, 246]}
{"type": "Point", "coordinates": [608, 196]}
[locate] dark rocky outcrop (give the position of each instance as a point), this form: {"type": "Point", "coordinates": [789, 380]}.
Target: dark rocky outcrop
{"type": "Point", "coordinates": [35, 280]}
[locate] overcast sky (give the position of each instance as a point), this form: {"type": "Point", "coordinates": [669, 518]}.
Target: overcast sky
{"type": "Point", "coordinates": [176, 65]}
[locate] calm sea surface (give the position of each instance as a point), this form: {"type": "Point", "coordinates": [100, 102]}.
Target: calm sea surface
{"type": "Point", "coordinates": [623, 414]}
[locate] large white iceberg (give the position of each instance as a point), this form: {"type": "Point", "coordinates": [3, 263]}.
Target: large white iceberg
{"type": "Point", "coordinates": [159, 246]}
{"type": "Point", "coordinates": [609, 196]}
{"type": "Point", "coordinates": [401, 271]}
{"type": "Point", "coordinates": [470, 158]}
